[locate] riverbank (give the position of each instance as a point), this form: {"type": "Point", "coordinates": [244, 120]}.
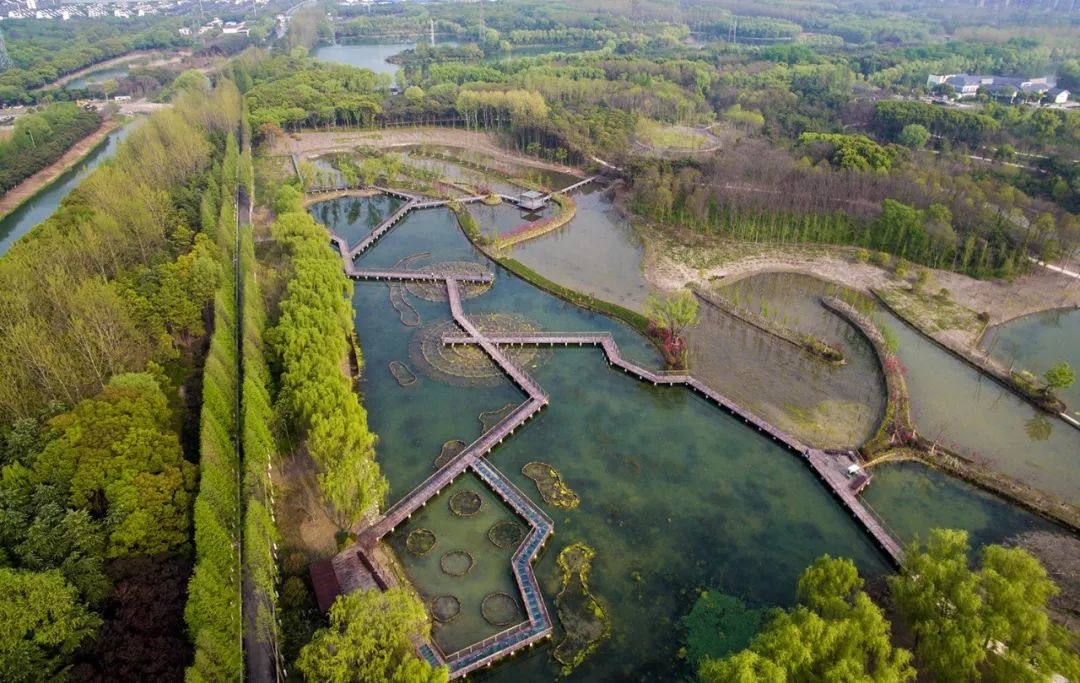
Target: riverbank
{"type": "Point", "coordinates": [896, 439]}
{"type": "Point", "coordinates": [981, 361]}
{"type": "Point", "coordinates": [896, 426]}
{"type": "Point", "coordinates": [29, 188]}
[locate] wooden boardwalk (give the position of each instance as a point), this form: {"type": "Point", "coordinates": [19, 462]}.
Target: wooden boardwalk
{"type": "Point", "coordinates": [835, 478]}
{"type": "Point", "coordinates": [571, 188]}
{"type": "Point", "coordinates": [538, 625]}
{"type": "Point", "coordinates": [381, 229]}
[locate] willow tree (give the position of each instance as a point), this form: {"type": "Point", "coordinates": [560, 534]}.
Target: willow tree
{"type": "Point", "coordinates": [835, 633]}
{"type": "Point", "coordinates": [674, 313]}
{"type": "Point", "coordinates": [369, 641]}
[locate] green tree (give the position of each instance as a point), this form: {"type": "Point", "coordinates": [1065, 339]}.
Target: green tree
{"type": "Point", "coordinates": [368, 641]}
{"type": "Point", "coordinates": [675, 312]}
{"type": "Point", "coordinates": [117, 456]}
{"type": "Point", "coordinates": [913, 136]}
{"type": "Point", "coordinates": [835, 633]}
{"type": "Point", "coordinates": [992, 620]}
{"type": "Point", "coordinates": [938, 596]}
{"type": "Point", "coordinates": [1061, 376]}
{"type": "Point", "coordinates": [43, 624]}
{"type": "Point", "coordinates": [718, 625]}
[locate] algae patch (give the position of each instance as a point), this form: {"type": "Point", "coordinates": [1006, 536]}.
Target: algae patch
{"type": "Point", "coordinates": [583, 619]}
{"type": "Point", "coordinates": [551, 486]}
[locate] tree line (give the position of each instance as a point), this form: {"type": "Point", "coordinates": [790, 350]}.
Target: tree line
{"type": "Point", "coordinates": [102, 321]}
{"type": "Point", "coordinates": [310, 340]}
{"type": "Point", "coordinates": [213, 612]}
{"type": "Point", "coordinates": [46, 50]}
{"type": "Point", "coordinates": [40, 138]}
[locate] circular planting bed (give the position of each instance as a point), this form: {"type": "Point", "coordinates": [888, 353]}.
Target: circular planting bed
{"type": "Point", "coordinates": [467, 364]}
{"type": "Point", "coordinates": [500, 609]}
{"type": "Point", "coordinates": [449, 449]}
{"type": "Point", "coordinates": [436, 291]}
{"type": "Point", "coordinates": [506, 534]}
{"type": "Point", "coordinates": [445, 608]}
{"type": "Point", "coordinates": [466, 503]}
{"type": "Point", "coordinates": [420, 541]}
{"type": "Point", "coordinates": [402, 373]}
{"type": "Point", "coordinates": [456, 563]}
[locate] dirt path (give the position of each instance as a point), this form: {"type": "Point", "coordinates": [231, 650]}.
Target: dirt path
{"type": "Point", "coordinates": [14, 197]}
{"type": "Point", "coordinates": [314, 143]}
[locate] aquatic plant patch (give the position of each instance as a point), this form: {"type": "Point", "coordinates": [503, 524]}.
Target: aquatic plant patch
{"type": "Point", "coordinates": [490, 418]}
{"type": "Point", "coordinates": [466, 503]}
{"type": "Point", "coordinates": [584, 621]}
{"type": "Point", "coordinates": [436, 291]}
{"type": "Point", "coordinates": [506, 534]}
{"type": "Point", "coordinates": [551, 486]}
{"type": "Point", "coordinates": [468, 364]}
{"type": "Point", "coordinates": [445, 608]}
{"type": "Point", "coordinates": [408, 315]}
{"type": "Point", "coordinates": [500, 609]}
{"type": "Point", "coordinates": [402, 373]}
{"type": "Point", "coordinates": [448, 451]}
{"type": "Point", "coordinates": [419, 542]}
{"type": "Point", "coordinates": [457, 563]}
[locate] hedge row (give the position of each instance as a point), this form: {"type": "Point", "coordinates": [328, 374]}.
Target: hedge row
{"type": "Point", "coordinates": [259, 446]}
{"type": "Point", "coordinates": [213, 612]}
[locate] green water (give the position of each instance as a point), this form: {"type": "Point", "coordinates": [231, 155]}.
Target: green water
{"type": "Point", "coordinates": [951, 402]}
{"type": "Point", "coordinates": [490, 572]}
{"type": "Point", "coordinates": [956, 405]}
{"type": "Point", "coordinates": [675, 494]}
{"type": "Point", "coordinates": [914, 499]}
{"type": "Point", "coordinates": [826, 404]}
{"type": "Point", "coordinates": [1037, 342]}
{"type": "Point", "coordinates": [354, 217]}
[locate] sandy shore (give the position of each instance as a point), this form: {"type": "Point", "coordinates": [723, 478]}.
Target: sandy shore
{"type": "Point", "coordinates": [15, 197]}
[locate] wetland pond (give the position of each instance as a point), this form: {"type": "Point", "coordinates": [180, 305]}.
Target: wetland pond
{"type": "Point", "coordinates": [951, 402]}
{"type": "Point", "coordinates": [1036, 343]}
{"type": "Point", "coordinates": [954, 404]}
{"type": "Point", "coordinates": [676, 495]}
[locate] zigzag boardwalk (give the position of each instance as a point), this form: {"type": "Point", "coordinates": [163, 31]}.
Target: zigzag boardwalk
{"type": "Point", "coordinates": [538, 624]}
{"type": "Point", "coordinates": [431, 486]}
{"type": "Point", "coordinates": [818, 460]}
{"type": "Point", "coordinates": [382, 228]}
